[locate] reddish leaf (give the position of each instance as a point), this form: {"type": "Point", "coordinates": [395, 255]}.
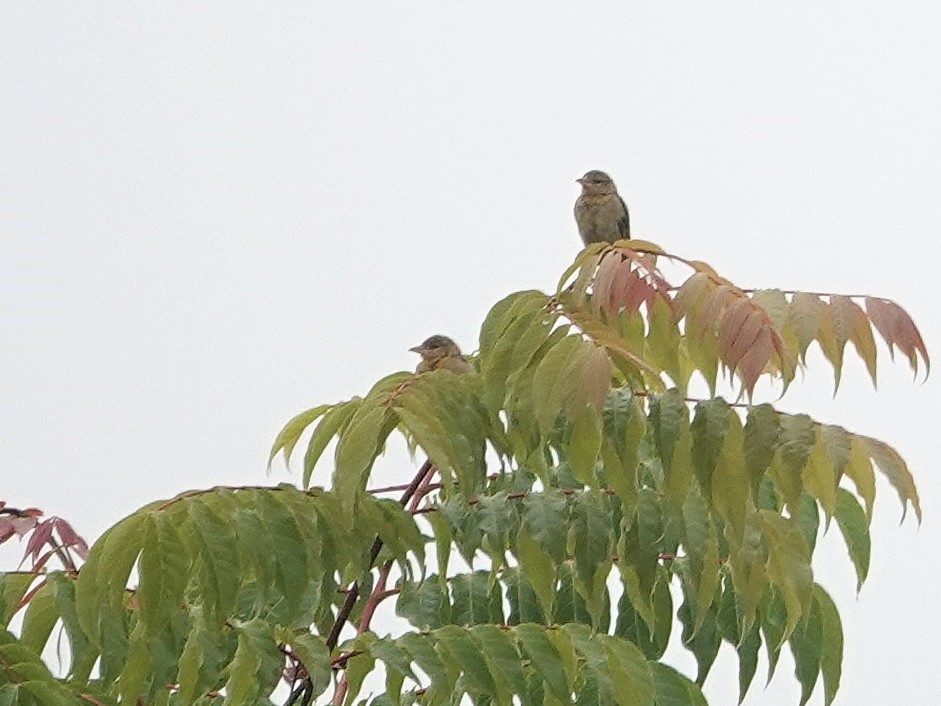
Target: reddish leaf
{"type": "Point", "coordinates": [41, 534]}
{"type": "Point", "coordinates": [635, 292]}
{"type": "Point", "coordinates": [738, 331]}
{"type": "Point", "coordinates": [603, 282]}
{"type": "Point", "coordinates": [628, 292]}
{"type": "Point", "coordinates": [897, 328]}
{"type": "Point", "coordinates": [719, 299]}
{"type": "Point", "coordinates": [756, 358]}
{"type": "Point", "coordinates": [596, 377]}
{"type": "Point", "coordinates": [70, 538]}
{"type": "Point", "coordinates": [40, 562]}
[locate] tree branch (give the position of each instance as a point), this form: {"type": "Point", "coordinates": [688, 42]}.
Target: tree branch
{"type": "Point", "coordinates": [353, 594]}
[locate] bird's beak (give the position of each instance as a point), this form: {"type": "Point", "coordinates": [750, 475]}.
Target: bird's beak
{"type": "Point", "coordinates": [417, 349]}
{"type": "Point", "coordinates": [581, 180]}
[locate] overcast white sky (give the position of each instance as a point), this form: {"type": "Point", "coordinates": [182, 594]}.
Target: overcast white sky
{"type": "Point", "coordinates": [213, 217]}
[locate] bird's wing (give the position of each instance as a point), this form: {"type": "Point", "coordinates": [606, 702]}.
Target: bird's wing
{"type": "Point", "coordinates": [624, 222]}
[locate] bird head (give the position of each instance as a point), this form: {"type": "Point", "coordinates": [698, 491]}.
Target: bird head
{"type": "Point", "coordinates": [596, 182]}
{"type": "Point", "coordinates": [441, 352]}
{"type": "Point", "coordinates": [436, 347]}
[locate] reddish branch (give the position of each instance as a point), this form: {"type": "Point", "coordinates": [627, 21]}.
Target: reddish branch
{"type": "Point", "coordinates": [304, 692]}
{"type": "Point", "coordinates": [353, 594]}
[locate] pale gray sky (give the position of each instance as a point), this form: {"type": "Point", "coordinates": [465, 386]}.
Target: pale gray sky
{"type": "Point", "coordinates": [212, 217]}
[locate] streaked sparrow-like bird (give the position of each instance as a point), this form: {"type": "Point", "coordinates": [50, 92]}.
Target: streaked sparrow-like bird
{"type": "Point", "coordinates": [600, 212]}
{"type": "Point", "coordinates": [441, 353]}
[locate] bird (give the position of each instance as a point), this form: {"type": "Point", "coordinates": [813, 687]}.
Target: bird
{"type": "Point", "coordinates": [600, 213]}
{"type": "Point", "coordinates": [441, 353]}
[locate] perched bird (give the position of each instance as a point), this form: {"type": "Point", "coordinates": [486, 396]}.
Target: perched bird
{"type": "Point", "coordinates": [441, 353]}
{"type": "Point", "coordinates": [600, 212]}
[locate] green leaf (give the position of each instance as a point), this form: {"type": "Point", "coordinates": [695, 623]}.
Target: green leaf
{"type": "Point", "coordinates": [673, 689]}
{"type": "Point", "coordinates": [584, 443]}
{"type": "Point", "coordinates": [496, 347]}
{"type": "Point", "coordinates": [467, 654]}
{"type": "Point", "coordinates": [709, 427]}
{"type": "Point", "coordinates": [702, 550]}
{"type": "Point", "coordinates": [200, 661]}
{"type": "Point", "coordinates": [773, 626]}
{"type": "Point", "coordinates": [797, 437]}
{"type": "Point", "coordinates": [630, 673]}
{"type": "Point", "coordinates": [164, 573]}
{"type": "Point", "coordinates": [788, 565]}
{"type": "Point", "coordinates": [859, 470]}
{"type": "Point", "coordinates": [398, 666]}
{"type": "Point", "coordinates": [443, 540]}
{"type": "Point", "coordinates": [334, 422]}
{"type": "Point", "coordinates": [498, 519]}
{"type": "Point", "coordinates": [359, 666]}
{"type": "Point", "coordinates": [632, 626]}
{"type": "Point", "coordinates": [746, 645]}
{"type": "Point", "coordinates": [553, 383]}
{"type": "Point", "coordinates": [287, 545]}
{"type": "Point", "coordinates": [729, 484]}
{"type": "Point", "coordinates": [312, 651]}
{"type": "Point", "coordinates": [896, 470]}
{"type": "Point", "coordinates": [421, 648]}
{"type": "Point", "coordinates": [288, 437]}
{"type": "Point", "coordinates": [837, 441]}
{"type": "Point", "coordinates": [804, 316]}
{"type": "Point", "coordinates": [399, 533]}
{"type": "Point", "coordinates": [819, 477]}
{"type": "Point", "coordinates": [593, 543]}
{"type": "Point", "coordinates": [854, 525]}
{"type": "Point", "coordinates": [524, 606]}
{"type": "Point", "coordinates": [808, 520]}
{"type": "Point", "coordinates": [639, 550]}
{"type": "Point", "coordinates": [356, 453]}
{"type": "Point", "coordinates": [134, 683]}
{"type": "Point", "coordinates": [663, 341]}
{"type": "Point", "coordinates": [83, 652]}
{"type": "Point", "coordinates": [12, 589]}
{"type": "Point", "coordinates": [624, 428]}
{"type": "Point", "coordinates": [761, 434]}
{"type": "Point", "coordinates": [570, 604]}
{"type": "Point", "coordinates": [703, 642]}
{"type": "Point", "coordinates": [425, 605]}
{"type": "Point", "coordinates": [831, 661]}
{"type": "Point", "coordinates": [539, 570]}
{"type": "Point", "coordinates": [545, 659]}
{"type": "Point", "coordinates": [40, 618]}
{"type": "Point", "coordinates": [217, 560]}
{"type": "Point", "coordinates": [806, 644]}
{"type": "Point", "coordinates": [102, 582]}
{"type": "Point", "coordinates": [670, 418]}
{"type": "Point", "coordinates": [475, 600]}
{"type": "Point", "coordinates": [545, 519]}
{"type": "Point", "coordinates": [501, 655]}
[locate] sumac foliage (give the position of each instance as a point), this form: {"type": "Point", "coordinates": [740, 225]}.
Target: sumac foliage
{"type": "Point", "coordinates": [577, 512]}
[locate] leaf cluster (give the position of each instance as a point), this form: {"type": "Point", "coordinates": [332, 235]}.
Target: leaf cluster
{"type": "Point", "coordinates": [596, 500]}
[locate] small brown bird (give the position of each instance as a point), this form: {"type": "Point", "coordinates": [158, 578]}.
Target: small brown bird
{"type": "Point", "coordinates": [441, 353]}
{"type": "Point", "coordinates": [600, 212]}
